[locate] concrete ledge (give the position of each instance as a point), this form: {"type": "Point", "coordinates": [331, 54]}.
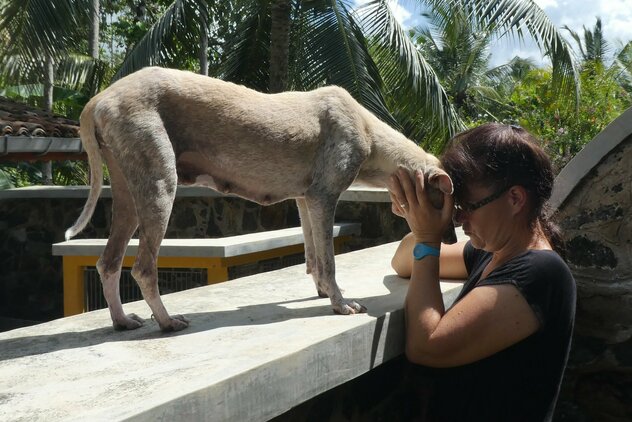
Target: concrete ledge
{"type": "Point", "coordinates": [256, 347]}
{"type": "Point", "coordinates": [218, 247]}
{"type": "Point", "coordinates": [353, 194]}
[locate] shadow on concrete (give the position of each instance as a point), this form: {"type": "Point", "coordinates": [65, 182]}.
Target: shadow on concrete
{"type": "Point", "coordinates": [260, 314]}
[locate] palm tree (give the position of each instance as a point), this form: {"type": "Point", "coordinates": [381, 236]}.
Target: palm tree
{"type": "Point", "coordinates": [280, 25]}
{"type": "Point", "coordinates": [183, 27]}
{"type": "Point", "coordinates": [54, 30]}
{"type": "Point", "coordinates": [365, 51]}
{"type": "Point", "coordinates": [459, 54]}
{"type": "Point", "coordinates": [51, 30]}
{"type": "Point", "coordinates": [593, 47]}
{"type": "Point", "coordinates": [623, 65]}
{"type": "Point", "coordinates": [457, 48]}
{"type": "Point", "coordinates": [595, 51]}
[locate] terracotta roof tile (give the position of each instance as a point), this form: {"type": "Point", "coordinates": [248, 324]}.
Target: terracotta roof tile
{"type": "Point", "coordinates": [17, 119]}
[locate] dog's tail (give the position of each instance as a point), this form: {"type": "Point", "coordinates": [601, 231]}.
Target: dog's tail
{"type": "Point", "coordinates": [91, 146]}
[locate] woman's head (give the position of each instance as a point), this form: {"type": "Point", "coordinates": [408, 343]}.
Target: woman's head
{"type": "Point", "coordinates": [499, 156]}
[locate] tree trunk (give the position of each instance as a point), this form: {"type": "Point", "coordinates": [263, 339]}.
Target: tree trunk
{"type": "Point", "coordinates": [203, 48]}
{"type": "Point", "coordinates": [94, 30]}
{"type": "Point", "coordinates": [280, 44]}
{"type": "Point", "coordinates": [49, 81]}
{"type": "Point", "coordinates": [92, 85]}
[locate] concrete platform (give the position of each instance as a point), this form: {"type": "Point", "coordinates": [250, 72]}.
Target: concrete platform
{"type": "Point", "coordinates": [353, 194]}
{"type": "Point", "coordinates": [218, 247]}
{"type": "Point", "coordinates": [255, 347]}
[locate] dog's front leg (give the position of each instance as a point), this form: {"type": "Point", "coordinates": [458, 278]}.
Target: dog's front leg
{"type": "Point", "coordinates": [310, 253]}
{"type": "Point", "coordinates": [321, 212]}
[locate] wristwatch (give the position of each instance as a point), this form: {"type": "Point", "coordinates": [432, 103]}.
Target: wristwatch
{"type": "Point", "coordinates": [422, 250]}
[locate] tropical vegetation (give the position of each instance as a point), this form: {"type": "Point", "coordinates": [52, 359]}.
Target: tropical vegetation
{"type": "Point", "coordinates": [428, 82]}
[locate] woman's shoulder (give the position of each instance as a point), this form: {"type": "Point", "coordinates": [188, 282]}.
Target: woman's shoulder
{"type": "Point", "coordinates": [547, 260]}
{"type": "Point", "coordinates": [535, 266]}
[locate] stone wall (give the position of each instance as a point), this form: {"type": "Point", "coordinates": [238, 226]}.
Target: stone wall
{"type": "Point", "coordinates": [596, 216]}
{"type": "Point", "coordinates": [31, 221]}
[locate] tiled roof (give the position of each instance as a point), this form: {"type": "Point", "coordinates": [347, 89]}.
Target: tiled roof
{"type": "Point", "coordinates": [17, 119]}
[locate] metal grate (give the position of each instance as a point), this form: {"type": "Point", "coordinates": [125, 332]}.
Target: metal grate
{"type": "Point", "coordinates": [265, 266]}
{"type": "Point", "coordinates": [169, 280]}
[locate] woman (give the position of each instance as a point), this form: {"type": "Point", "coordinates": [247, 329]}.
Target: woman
{"type": "Point", "coordinates": [503, 345]}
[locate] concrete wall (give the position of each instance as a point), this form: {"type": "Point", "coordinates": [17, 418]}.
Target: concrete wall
{"type": "Point", "coordinates": [594, 200]}
{"type": "Point", "coordinates": [31, 220]}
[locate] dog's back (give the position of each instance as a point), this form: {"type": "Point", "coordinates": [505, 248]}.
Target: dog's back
{"type": "Point", "coordinates": [240, 138]}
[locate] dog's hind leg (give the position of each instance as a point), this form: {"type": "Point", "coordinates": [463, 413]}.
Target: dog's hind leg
{"type": "Point", "coordinates": [310, 254]}
{"type": "Point", "coordinates": [124, 224]}
{"type": "Point", "coordinates": [153, 183]}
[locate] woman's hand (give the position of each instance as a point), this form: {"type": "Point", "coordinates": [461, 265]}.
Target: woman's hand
{"type": "Point", "coordinates": [410, 200]}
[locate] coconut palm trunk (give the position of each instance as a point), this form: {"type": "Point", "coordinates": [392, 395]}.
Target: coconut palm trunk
{"type": "Point", "coordinates": [279, 44]}
{"type": "Point", "coordinates": [49, 82]}
{"type": "Point", "coordinates": [203, 48]}
{"type": "Point", "coordinates": [94, 30]}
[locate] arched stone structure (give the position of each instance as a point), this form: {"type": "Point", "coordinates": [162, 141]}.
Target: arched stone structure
{"type": "Point", "coordinates": [593, 199]}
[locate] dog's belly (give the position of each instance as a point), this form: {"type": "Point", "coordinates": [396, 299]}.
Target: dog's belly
{"type": "Point", "coordinates": [259, 188]}
{"type": "Point", "coordinates": [205, 180]}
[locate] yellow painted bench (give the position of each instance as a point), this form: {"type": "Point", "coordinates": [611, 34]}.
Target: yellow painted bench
{"type": "Point", "coordinates": [214, 255]}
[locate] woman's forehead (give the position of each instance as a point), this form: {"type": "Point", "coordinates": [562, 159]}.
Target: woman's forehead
{"type": "Point", "coordinates": [470, 189]}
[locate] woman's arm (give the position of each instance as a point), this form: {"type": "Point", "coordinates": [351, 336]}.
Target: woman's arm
{"type": "Point", "coordinates": [486, 321]}
{"type": "Point", "coordinates": [451, 263]}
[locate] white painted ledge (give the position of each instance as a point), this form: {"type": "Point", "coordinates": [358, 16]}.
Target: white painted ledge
{"type": "Point", "coordinates": [222, 247]}
{"type": "Point", "coordinates": [357, 194]}
{"type": "Point", "coordinates": [255, 347]}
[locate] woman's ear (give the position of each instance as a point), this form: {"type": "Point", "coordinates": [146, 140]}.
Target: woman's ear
{"type": "Point", "coordinates": [517, 197]}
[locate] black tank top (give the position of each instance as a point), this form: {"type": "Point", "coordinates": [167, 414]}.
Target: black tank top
{"type": "Point", "coordinates": [522, 382]}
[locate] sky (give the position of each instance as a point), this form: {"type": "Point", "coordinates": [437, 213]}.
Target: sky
{"type": "Point", "coordinates": [616, 19]}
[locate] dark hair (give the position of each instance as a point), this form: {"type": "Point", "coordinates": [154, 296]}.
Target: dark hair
{"type": "Point", "coordinates": [499, 156]}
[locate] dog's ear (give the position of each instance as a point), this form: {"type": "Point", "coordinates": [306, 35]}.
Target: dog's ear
{"type": "Point", "coordinates": [440, 179]}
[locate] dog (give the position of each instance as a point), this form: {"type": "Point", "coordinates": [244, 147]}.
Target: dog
{"type": "Point", "coordinates": [159, 127]}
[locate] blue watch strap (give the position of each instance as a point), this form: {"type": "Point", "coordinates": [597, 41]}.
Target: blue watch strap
{"type": "Point", "coordinates": [421, 250]}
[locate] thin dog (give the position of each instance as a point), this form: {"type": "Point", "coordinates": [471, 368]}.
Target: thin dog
{"type": "Point", "coordinates": [159, 127]}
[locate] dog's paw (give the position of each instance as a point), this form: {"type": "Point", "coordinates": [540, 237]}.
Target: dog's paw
{"type": "Point", "coordinates": [176, 323]}
{"type": "Point", "coordinates": [128, 322]}
{"type": "Point", "coordinates": [349, 307]}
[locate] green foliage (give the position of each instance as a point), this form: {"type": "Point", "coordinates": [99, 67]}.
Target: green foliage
{"type": "Point", "coordinates": [22, 174]}
{"type": "Point", "coordinates": [5, 180]}
{"type": "Point", "coordinates": [428, 87]}
{"type": "Point", "coordinates": [563, 128]}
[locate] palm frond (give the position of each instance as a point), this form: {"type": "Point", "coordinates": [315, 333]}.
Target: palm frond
{"type": "Point", "coordinates": [623, 65]}
{"type": "Point", "coordinates": [43, 27]}
{"type": "Point", "coordinates": [518, 16]}
{"type": "Point", "coordinates": [246, 55]}
{"type": "Point", "coordinates": [408, 75]}
{"type": "Point", "coordinates": [333, 51]}
{"type": "Point", "coordinates": [181, 21]}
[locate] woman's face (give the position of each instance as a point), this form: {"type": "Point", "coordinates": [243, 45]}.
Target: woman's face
{"type": "Point", "coordinates": [485, 216]}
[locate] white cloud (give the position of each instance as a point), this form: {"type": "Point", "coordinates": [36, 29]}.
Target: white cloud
{"type": "Point", "coordinates": [546, 3]}
{"type": "Point", "coordinates": [616, 18]}
{"type": "Point", "coordinates": [401, 13]}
